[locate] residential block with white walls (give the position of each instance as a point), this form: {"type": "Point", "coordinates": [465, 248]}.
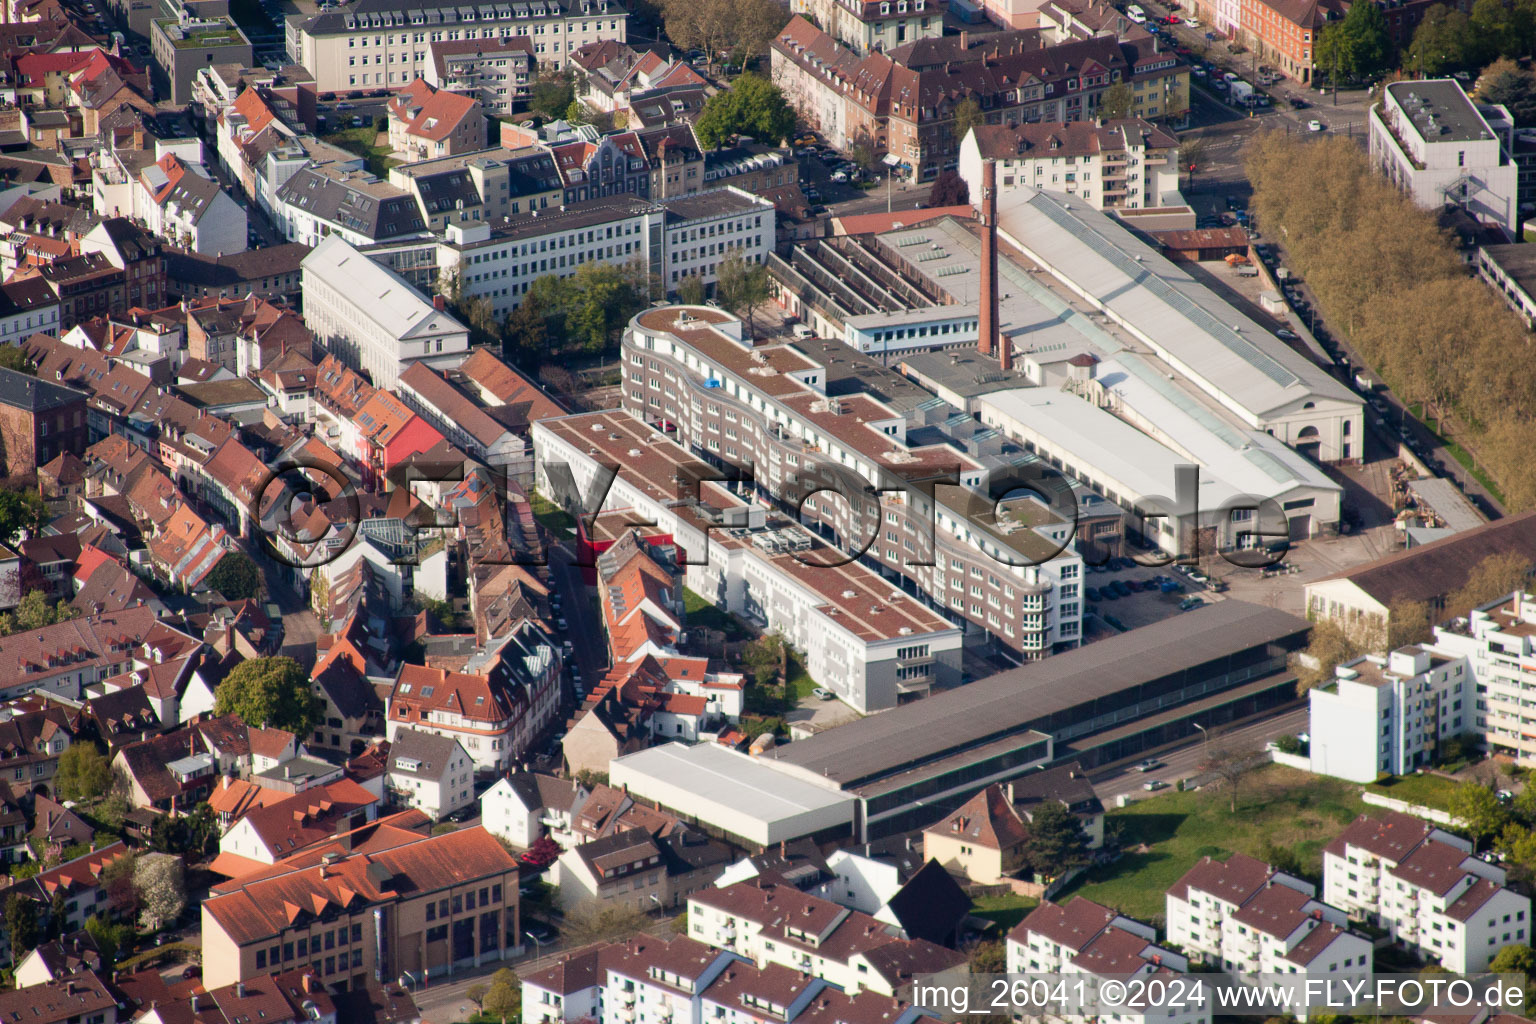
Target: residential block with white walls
{"type": "Point", "coordinates": [1389, 714]}
{"type": "Point", "coordinates": [1082, 937]}
{"type": "Point", "coordinates": [1243, 915]}
{"type": "Point", "coordinates": [1427, 888]}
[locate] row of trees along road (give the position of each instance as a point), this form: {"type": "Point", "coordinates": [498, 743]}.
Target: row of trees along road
{"type": "Point", "coordinates": [1389, 278]}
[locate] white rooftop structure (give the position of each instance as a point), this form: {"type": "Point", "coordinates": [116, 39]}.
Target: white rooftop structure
{"type": "Point", "coordinates": [1231, 358]}
{"type": "Point", "coordinates": [372, 318]}
{"type": "Point", "coordinates": [733, 792]}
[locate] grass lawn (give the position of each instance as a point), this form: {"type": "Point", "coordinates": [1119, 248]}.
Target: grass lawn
{"type": "Point", "coordinates": [1428, 790]}
{"type": "Point", "coordinates": [1278, 809]}
{"type": "Point", "coordinates": [362, 142]}
{"type": "Point", "coordinates": [554, 518]}
{"type": "Point", "coordinates": [702, 613]}
{"type": "Point", "coordinates": [1005, 910]}
{"type": "Point", "coordinates": [799, 684]}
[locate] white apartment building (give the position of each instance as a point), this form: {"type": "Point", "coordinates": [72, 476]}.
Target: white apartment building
{"type": "Point", "coordinates": [670, 240]}
{"type": "Point", "coordinates": [1083, 937]}
{"type": "Point", "coordinates": [677, 980]}
{"type": "Point", "coordinates": [1433, 142]}
{"type": "Point", "coordinates": [1008, 569]}
{"type": "Point", "coordinates": [429, 773]}
{"type": "Point", "coordinates": [1496, 641]}
{"type": "Point", "coordinates": [372, 319]}
{"type": "Point", "coordinates": [771, 923]}
{"type": "Point", "coordinates": [1389, 714]}
{"type": "Point", "coordinates": [871, 645]}
{"type": "Point", "coordinates": [706, 228]}
{"type": "Point", "coordinates": [1129, 164]}
{"type": "Point", "coordinates": [1242, 915]}
{"type": "Point", "coordinates": [1427, 888]}
{"type": "Point", "coordinates": [384, 44]}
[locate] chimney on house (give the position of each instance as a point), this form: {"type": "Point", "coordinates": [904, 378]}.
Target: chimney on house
{"type": "Point", "coordinates": [987, 324]}
{"type": "Point", "coordinates": [438, 303]}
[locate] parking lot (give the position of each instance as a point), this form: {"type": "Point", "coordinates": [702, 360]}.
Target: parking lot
{"type": "Point", "coordinates": [1124, 595]}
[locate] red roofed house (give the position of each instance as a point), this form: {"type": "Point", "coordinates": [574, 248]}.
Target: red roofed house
{"type": "Point", "coordinates": [397, 902]}
{"type": "Point", "coordinates": [1427, 888]}
{"type": "Point", "coordinates": [180, 201]}
{"type": "Point", "coordinates": [388, 433]}
{"type": "Point", "coordinates": [274, 831]}
{"type": "Point", "coordinates": [495, 714]}
{"type": "Point", "coordinates": [1082, 937]}
{"type": "Point", "coordinates": [1243, 915]}
{"type": "Point", "coordinates": [426, 122]}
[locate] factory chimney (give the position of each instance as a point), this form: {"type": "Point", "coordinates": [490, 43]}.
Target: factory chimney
{"type": "Point", "coordinates": [987, 326]}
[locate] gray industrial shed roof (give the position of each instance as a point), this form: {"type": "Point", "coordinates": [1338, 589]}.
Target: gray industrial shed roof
{"type": "Point", "coordinates": [1141, 287]}
{"type": "Point", "coordinates": [1015, 700]}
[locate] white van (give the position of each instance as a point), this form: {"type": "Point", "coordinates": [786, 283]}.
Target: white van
{"type": "Point", "coordinates": [802, 331]}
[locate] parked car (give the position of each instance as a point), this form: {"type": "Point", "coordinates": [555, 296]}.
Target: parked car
{"type": "Point", "coordinates": [1315, 125]}
{"type": "Point", "coordinates": [1191, 22]}
{"type": "Point", "coordinates": [1286, 335]}
{"type": "Point", "coordinates": [1092, 593]}
{"type": "Point", "coordinates": [822, 693]}
{"type": "Point", "coordinates": [1136, 14]}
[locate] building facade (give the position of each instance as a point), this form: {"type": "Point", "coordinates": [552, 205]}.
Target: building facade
{"type": "Point", "coordinates": [1433, 142]}
{"type": "Point", "coordinates": [383, 44]}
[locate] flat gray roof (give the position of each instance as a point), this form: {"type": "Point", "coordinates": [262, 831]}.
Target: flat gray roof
{"type": "Point", "coordinates": [1448, 502]}
{"type": "Point", "coordinates": [1014, 701]}
{"type": "Point", "coordinates": [1518, 260]}
{"type": "Point", "coordinates": [1440, 110]}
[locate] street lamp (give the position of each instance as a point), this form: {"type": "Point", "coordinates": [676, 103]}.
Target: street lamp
{"type": "Point", "coordinates": [1203, 731]}
{"type": "Point", "coordinates": [537, 945]}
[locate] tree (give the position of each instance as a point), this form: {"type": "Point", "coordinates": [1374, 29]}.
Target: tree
{"type": "Point", "coordinates": [13, 358]}
{"type": "Point", "coordinates": [592, 923]}
{"type": "Point", "coordinates": [1494, 577]}
{"type": "Point", "coordinates": [1116, 102]}
{"type": "Point", "coordinates": [20, 925]}
{"type": "Point", "coordinates": [504, 1000]}
{"type": "Point", "coordinates": [84, 773]}
{"type": "Point", "coordinates": [162, 891]}
{"type": "Point", "coordinates": [122, 895]}
{"type": "Point", "coordinates": [1507, 83]}
{"type": "Point", "coordinates": [21, 510]}
{"type": "Point", "coordinates": [742, 286]}
{"type": "Point", "coordinates": [1517, 959]}
{"type": "Point", "coordinates": [1056, 840]}
{"type": "Point", "coordinates": [1407, 623]}
{"type": "Point", "coordinates": [949, 189]}
{"type": "Point", "coordinates": [967, 115]}
{"type": "Point", "coordinates": [1479, 809]}
{"type": "Point", "coordinates": [236, 577]}
{"type": "Point", "coordinates": [524, 338]}
{"type": "Point", "coordinates": [1230, 762]}
{"type": "Point", "coordinates": [1329, 646]}
{"type": "Point", "coordinates": [989, 958]}
{"type": "Point", "coordinates": [764, 658]}
{"type": "Point", "coordinates": [1442, 43]}
{"type": "Point", "coordinates": [1370, 38]}
{"type": "Point", "coordinates": [863, 156]}
{"type": "Point", "coordinates": [751, 106]}
{"type": "Point", "coordinates": [476, 994]}
{"type": "Point", "coordinates": [690, 290]}
{"type": "Point", "coordinates": [544, 852]}
{"type": "Point", "coordinates": [271, 693]}
{"type": "Point", "coordinates": [110, 938]}
{"type": "Point", "coordinates": [35, 611]}
{"type": "Point", "coordinates": [552, 94]}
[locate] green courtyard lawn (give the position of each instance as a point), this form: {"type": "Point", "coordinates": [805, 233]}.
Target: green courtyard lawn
{"type": "Point", "coordinates": [364, 142]}
{"type": "Point", "coordinates": [701, 613]}
{"type": "Point", "coordinates": [1280, 811]}
{"type": "Point", "coordinates": [1426, 790]}
{"type": "Point", "coordinates": [1005, 909]}
{"type": "Point", "coordinates": [554, 518]}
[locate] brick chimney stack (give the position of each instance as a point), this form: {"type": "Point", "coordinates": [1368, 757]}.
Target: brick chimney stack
{"type": "Point", "coordinates": [987, 325]}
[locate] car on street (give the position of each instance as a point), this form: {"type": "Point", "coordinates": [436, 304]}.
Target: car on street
{"type": "Point", "coordinates": [1198, 72]}
{"type": "Point", "coordinates": [1315, 125]}
{"type": "Point", "coordinates": [1286, 335]}
{"type": "Point", "coordinates": [1150, 764]}
{"type": "Point", "coordinates": [1299, 104]}
{"type": "Point", "coordinates": [1136, 14]}
{"type": "Point", "coordinates": [1231, 76]}
{"type": "Point", "coordinates": [822, 693]}
{"type": "Point", "coordinates": [1154, 785]}
{"type": "Point", "coordinates": [1191, 22]}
